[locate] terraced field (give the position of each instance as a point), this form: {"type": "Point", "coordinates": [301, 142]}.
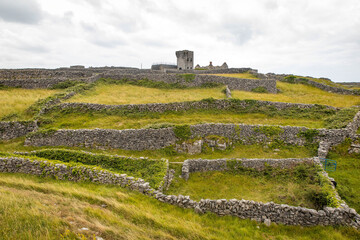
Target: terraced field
{"type": "Point", "coordinates": [34, 207]}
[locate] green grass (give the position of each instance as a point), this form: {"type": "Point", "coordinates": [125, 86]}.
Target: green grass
{"type": "Point", "coordinates": [239, 151]}
{"type": "Point", "coordinates": [90, 120]}
{"type": "Point", "coordinates": [152, 171]}
{"type": "Point", "coordinates": [347, 174]}
{"type": "Point", "coordinates": [37, 208]}
{"type": "Point", "coordinates": [260, 188]}
{"type": "Point", "coordinates": [299, 93]}
{"type": "Point", "coordinates": [16, 100]}
{"type": "Point", "coordinates": [129, 94]}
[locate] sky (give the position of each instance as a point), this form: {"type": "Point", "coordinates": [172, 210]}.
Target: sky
{"type": "Point", "coordinates": [309, 38]}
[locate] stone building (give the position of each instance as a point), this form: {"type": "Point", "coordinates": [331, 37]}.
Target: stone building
{"type": "Point", "coordinates": [212, 67]}
{"type": "Point", "coordinates": [185, 59]}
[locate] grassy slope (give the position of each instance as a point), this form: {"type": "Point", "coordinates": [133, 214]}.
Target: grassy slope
{"type": "Point", "coordinates": [129, 94]}
{"type": "Point", "coordinates": [240, 151]}
{"type": "Point", "coordinates": [35, 208]}
{"type": "Point", "coordinates": [98, 120]}
{"type": "Point", "coordinates": [16, 100]}
{"type": "Point", "coordinates": [219, 185]}
{"type": "Point", "coordinates": [298, 93]}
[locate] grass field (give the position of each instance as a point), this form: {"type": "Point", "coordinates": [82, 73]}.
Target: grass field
{"type": "Point", "coordinates": [239, 151]}
{"type": "Point", "coordinates": [226, 185]}
{"type": "Point", "coordinates": [17, 100]}
{"type": "Point", "coordinates": [246, 75]}
{"type": "Point", "coordinates": [130, 94]}
{"type": "Point", "coordinates": [347, 174]}
{"type": "Point", "coordinates": [92, 120]}
{"type": "Point", "coordinates": [37, 208]}
{"type": "Point", "coordinates": [300, 93]}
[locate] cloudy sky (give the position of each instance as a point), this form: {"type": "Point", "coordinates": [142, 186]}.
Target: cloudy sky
{"type": "Point", "coordinates": [316, 38]}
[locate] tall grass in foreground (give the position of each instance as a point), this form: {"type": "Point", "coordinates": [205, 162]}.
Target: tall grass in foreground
{"type": "Point", "coordinates": [17, 100]}
{"type": "Point", "coordinates": [36, 208]}
{"type": "Point", "coordinates": [129, 94]}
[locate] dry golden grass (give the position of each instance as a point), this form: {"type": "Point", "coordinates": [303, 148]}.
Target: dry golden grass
{"type": "Point", "coordinates": [246, 75]}
{"type": "Point", "coordinates": [129, 94]}
{"type": "Point", "coordinates": [300, 93]}
{"type": "Point", "coordinates": [16, 100]}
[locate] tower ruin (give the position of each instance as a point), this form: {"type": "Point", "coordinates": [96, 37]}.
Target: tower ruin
{"type": "Point", "coordinates": [185, 59]}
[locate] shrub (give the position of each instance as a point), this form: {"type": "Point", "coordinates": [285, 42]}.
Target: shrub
{"type": "Point", "coordinates": [289, 79]}
{"type": "Point", "coordinates": [341, 118]}
{"type": "Point", "coordinates": [309, 135]}
{"type": "Point", "coordinates": [152, 171]}
{"type": "Point", "coordinates": [182, 132]}
{"type": "Point", "coordinates": [260, 90]}
{"type": "Point", "coordinates": [269, 131]}
{"type": "Point", "coordinates": [188, 77]}
{"type": "Point", "coordinates": [64, 85]}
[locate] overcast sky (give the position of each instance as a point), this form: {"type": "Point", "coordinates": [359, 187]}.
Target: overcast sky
{"type": "Point", "coordinates": [317, 38]}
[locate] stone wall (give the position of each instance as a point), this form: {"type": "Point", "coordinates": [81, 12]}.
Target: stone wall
{"type": "Point", "coordinates": [32, 83]}
{"type": "Point", "coordinates": [10, 130]}
{"type": "Point", "coordinates": [143, 139]}
{"type": "Point", "coordinates": [354, 125]}
{"type": "Point", "coordinates": [221, 104]}
{"type": "Point", "coordinates": [204, 165]}
{"type": "Point", "coordinates": [130, 139]}
{"type": "Point", "coordinates": [22, 74]}
{"type": "Point", "coordinates": [213, 71]}
{"type": "Point", "coordinates": [244, 209]}
{"type": "Point", "coordinates": [198, 81]}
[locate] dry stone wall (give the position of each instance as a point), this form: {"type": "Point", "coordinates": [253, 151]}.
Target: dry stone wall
{"type": "Point", "coordinates": [10, 130]}
{"type": "Point", "coordinates": [222, 104]}
{"type": "Point", "coordinates": [244, 209]}
{"type": "Point", "coordinates": [130, 139]}
{"type": "Point", "coordinates": [198, 81]}
{"type": "Point", "coordinates": [213, 71]}
{"type": "Point", "coordinates": [143, 139]}
{"type": "Point", "coordinates": [205, 165]}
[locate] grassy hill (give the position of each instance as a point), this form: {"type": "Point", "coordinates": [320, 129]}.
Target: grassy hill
{"type": "Point", "coordinates": [44, 208]}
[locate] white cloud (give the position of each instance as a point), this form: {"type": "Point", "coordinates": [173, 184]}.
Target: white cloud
{"type": "Point", "coordinates": [305, 37]}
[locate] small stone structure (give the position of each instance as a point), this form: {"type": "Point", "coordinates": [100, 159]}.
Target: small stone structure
{"type": "Point", "coordinates": [185, 59]}
{"type": "Point", "coordinates": [211, 67]}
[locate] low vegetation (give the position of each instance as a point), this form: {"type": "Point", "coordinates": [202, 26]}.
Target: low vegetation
{"type": "Point", "coordinates": [237, 151]}
{"type": "Point", "coordinates": [347, 174]}
{"type": "Point", "coordinates": [152, 171]}
{"type": "Point", "coordinates": [91, 120]}
{"type": "Point", "coordinates": [297, 187]}
{"type": "Point", "coordinates": [129, 94]}
{"type": "Point", "coordinates": [50, 209]}
{"type": "Point", "coordinates": [14, 101]}
{"type": "Point", "coordinates": [300, 93]}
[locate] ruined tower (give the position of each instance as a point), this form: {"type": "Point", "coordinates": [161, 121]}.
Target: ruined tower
{"type": "Point", "coordinates": [185, 59]}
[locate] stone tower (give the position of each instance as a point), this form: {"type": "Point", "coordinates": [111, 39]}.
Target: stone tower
{"type": "Point", "coordinates": [185, 59]}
